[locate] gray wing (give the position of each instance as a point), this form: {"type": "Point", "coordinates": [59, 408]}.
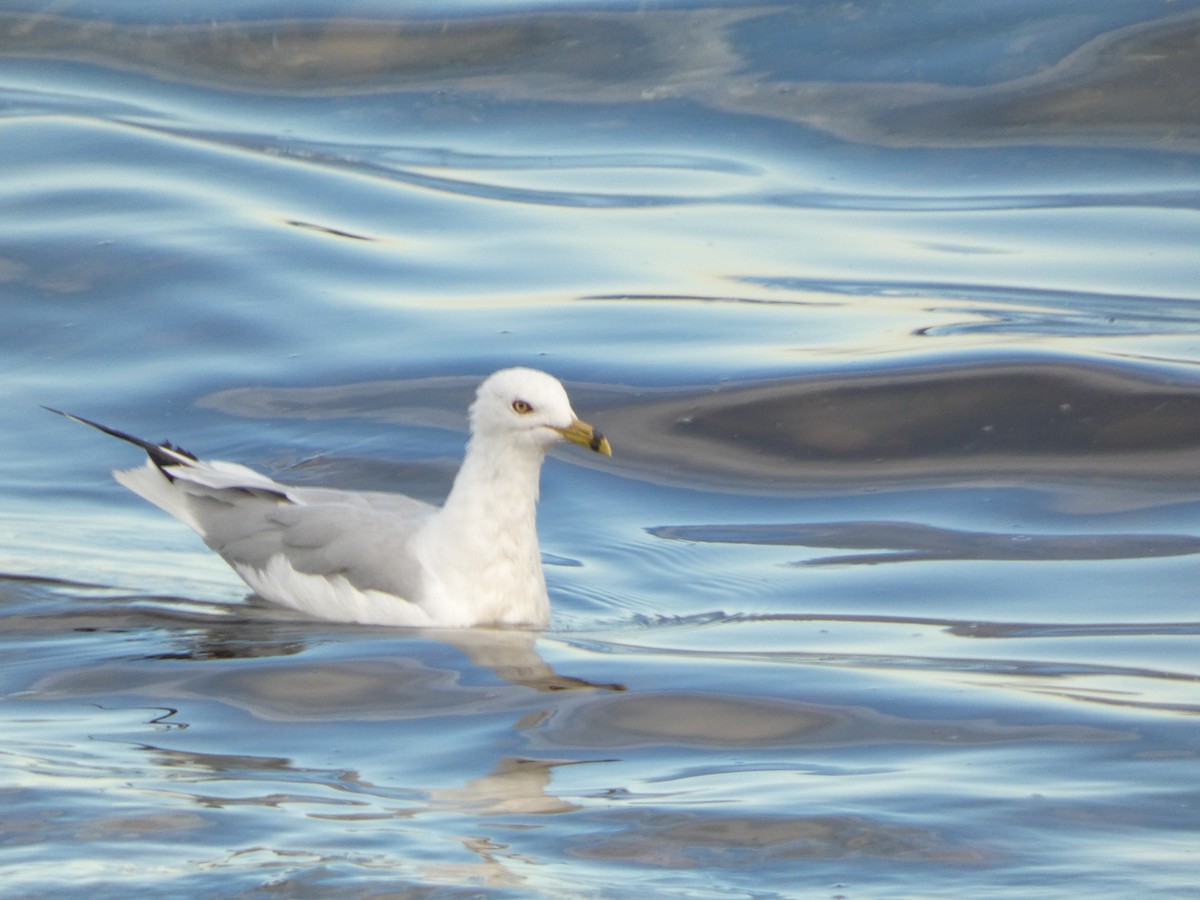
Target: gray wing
{"type": "Point", "coordinates": [249, 519]}
{"type": "Point", "coordinates": [362, 536]}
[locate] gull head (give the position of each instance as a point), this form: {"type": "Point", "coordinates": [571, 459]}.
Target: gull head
{"type": "Point", "coordinates": [525, 407]}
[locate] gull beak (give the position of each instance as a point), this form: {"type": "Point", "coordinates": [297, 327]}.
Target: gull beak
{"type": "Point", "coordinates": [586, 436]}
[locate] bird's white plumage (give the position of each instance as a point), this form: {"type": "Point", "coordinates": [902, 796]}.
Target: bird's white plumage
{"type": "Point", "coordinates": [381, 558]}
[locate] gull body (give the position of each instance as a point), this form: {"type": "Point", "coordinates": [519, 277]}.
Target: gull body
{"type": "Point", "coordinates": [384, 558]}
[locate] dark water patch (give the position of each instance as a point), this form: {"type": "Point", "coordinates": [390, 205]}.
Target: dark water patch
{"type": "Point", "coordinates": [993, 420]}
{"type": "Point", "coordinates": [1132, 83]}
{"type": "Point", "coordinates": [361, 689]}
{"type": "Point", "coordinates": [1052, 630]}
{"type": "Point", "coordinates": [325, 229]}
{"type": "Point", "coordinates": [696, 719]}
{"type": "Point", "coordinates": [1135, 85]}
{"type": "Point", "coordinates": [287, 54]}
{"type": "Point", "coordinates": [568, 52]}
{"type": "Point", "coordinates": [695, 839]}
{"type": "Point", "coordinates": [1139, 81]}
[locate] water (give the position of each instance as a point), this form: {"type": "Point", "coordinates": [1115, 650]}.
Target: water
{"type": "Point", "coordinates": [891, 315]}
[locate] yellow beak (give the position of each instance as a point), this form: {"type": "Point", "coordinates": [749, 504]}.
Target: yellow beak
{"type": "Point", "coordinates": [586, 436]}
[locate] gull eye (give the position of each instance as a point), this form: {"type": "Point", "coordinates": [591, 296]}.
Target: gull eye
{"type": "Point", "coordinates": [522, 406]}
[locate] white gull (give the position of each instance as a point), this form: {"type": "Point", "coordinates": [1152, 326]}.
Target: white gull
{"type": "Point", "coordinates": [384, 558]}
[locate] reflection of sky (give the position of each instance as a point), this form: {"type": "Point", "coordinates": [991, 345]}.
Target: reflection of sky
{"type": "Point", "coordinates": [747, 197]}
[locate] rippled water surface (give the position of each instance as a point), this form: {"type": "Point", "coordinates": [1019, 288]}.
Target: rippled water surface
{"type": "Point", "coordinates": [891, 314]}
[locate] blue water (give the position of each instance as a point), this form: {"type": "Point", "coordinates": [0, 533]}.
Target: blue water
{"type": "Point", "coordinates": [891, 313]}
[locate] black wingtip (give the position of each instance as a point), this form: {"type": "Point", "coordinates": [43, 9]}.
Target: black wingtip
{"type": "Point", "coordinates": [164, 454]}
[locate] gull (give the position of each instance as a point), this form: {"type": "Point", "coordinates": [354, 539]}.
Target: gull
{"type": "Point", "coordinates": [382, 558]}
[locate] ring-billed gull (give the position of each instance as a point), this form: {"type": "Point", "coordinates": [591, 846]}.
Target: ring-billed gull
{"type": "Point", "coordinates": [384, 558]}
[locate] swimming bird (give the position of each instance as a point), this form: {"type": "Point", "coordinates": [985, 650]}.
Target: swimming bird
{"type": "Point", "coordinates": [385, 558]}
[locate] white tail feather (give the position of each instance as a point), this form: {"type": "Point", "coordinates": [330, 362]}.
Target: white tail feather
{"type": "Point", "coordinates": [149, 483]}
